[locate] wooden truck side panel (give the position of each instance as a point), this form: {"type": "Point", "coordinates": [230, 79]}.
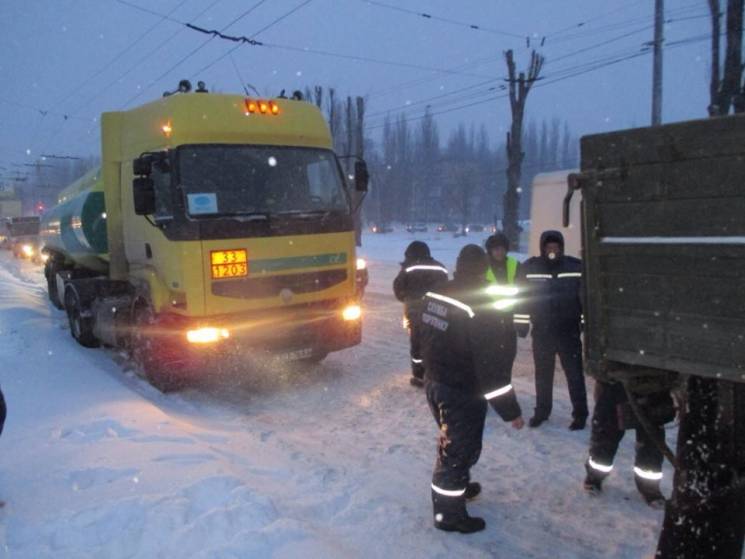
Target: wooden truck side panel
{"type": "Point", "coordinates": [664, 238]}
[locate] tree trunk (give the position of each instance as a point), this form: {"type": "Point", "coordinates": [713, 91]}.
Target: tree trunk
{"type": "Point", "coordinates": [511, 202]}
{"type": "Point", "coordinates": [706, 515]}
{"type": "Point", "coordinates": [519, 87]}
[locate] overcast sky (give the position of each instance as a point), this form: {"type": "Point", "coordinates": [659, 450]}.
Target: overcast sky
{"type": "Point", "coordinates": [82, 57]}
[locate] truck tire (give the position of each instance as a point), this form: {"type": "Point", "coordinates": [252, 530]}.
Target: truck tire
{"type": "Point", "coordinates": [151, 357]}
{"type": "Point", "coordinates": [50, 271]}
{"type": "Point", "coordinates": [315, 359]}
{"type": "Point", "coordinates": [81, 327]}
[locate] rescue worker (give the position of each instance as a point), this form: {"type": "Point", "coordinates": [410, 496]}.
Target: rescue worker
{"type": "Point", "coordinates": [551, 284]}
{"type": "Point", "coordinates": [465, 371]}
{"type": "Point", "coordinates": [608, 430]}
{"type": "Point", "coordinates": [501, 275]}
{"type": "Point", "coordinates": [419, 274]}
{"type": "Point", "coordinates": [502, 268]}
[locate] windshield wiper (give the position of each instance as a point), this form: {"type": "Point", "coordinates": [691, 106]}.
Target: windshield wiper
{"type": "Point", "coordinates": [308, 213]}
{"type": "Point", "coordinates": [251, 216]}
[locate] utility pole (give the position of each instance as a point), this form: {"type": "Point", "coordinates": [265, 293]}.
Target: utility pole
{"type": "Point", "coordinates": [659, 22]}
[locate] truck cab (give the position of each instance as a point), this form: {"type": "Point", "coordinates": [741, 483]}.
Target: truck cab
{"type": "Point", "coordinates": [228, 225]}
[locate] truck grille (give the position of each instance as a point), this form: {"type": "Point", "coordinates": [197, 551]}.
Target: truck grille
{"type": "Point", "coordinates": [270, 286]}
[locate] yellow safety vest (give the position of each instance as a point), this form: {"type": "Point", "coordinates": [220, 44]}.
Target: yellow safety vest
{"type": "Point", "coordinates": [511, 272]}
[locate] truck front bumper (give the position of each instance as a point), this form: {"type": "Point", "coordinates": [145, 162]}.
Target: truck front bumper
{"type": "Point", "coordinates": [306, 332]}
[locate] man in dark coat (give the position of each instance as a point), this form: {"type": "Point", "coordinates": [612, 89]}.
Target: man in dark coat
{"type": "Point", "coordinates": [608, 428]}
{"type": "Point", "coordinates": [419, 274]}
{"type": "Point", "coordinates": [465, 371]}
{"type": "Point", "coordinates": [551, 286]}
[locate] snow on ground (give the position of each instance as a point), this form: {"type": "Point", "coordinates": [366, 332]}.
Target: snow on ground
{"type": "Point", "coordinates": [331, 461]}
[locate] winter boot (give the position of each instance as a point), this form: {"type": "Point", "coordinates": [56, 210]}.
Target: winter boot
{"type": "Point", "coordinates": [473, 490]}
{"type": "Point", "coordinates": [536, 421]}
{"type": "Point", "coordinates": [578, 423]}
{"type": "Point", "coordinates": [650, 492]}
{"type": "Point", "coordinates": [415, 381]}
{"type": "Point", "coordinates": [594, 480]}
{"type": "Point", "coordinates": [593, 484]}
{"type": "Point", "coordinates": [451, 515]}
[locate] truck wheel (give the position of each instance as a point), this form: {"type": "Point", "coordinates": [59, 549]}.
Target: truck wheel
{"type": "Point", "coordinates": [150, 356]}
{"type": "Point", "coordinates": [50, 271]}
{"type": "Point", "coordinates": [81, 327]}
{"type": "Point", "coordinates": [316, 358]}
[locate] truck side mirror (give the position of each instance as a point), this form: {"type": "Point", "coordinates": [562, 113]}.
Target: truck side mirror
{"type": "Point", "coordinates": [143, 190]}
{"type": "Point", "coordinates": [142, 165]}
{"type": "Point", "coordinates": [573, 183]}
{"type": "Point", "coordinates": [361, 176]}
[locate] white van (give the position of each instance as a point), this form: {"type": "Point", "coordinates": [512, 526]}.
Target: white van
{"type": "Point", "coordinates": [546, 211]}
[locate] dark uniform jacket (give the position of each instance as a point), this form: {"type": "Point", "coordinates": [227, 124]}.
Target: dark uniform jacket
{"type": "Point", "coordinates": [551, 289]}
{"type": "Point", "coordinates": [415, 279]}
{"type": "Point", "coordinates": [459, 346]}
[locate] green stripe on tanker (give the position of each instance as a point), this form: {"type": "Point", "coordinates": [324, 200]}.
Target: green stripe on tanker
{"type": "Point", "coordinates": [76, 226]}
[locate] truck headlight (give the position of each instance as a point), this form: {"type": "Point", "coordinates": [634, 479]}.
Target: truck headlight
{"type": "Point", "coordinates": [361, 264]}
{"type": "Point", "coordinates": [207, 335]}
{"type": "Point", "coordinates": [44, 257]}
{"type": "Point", "coordinates": [28, 250]}
{"type": "Point", "coordinates": [504, 304]}
{"type": "Point", "coordinates": [352, 312]}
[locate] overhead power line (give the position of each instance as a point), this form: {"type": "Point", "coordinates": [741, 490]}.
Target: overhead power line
{"type": "Point", "coordinates": [252, 39]}
{"type": "Point", "coordinates": [306, 50]}
{"type": "Point", "coordinates": [558, 76]}
{"type": "Point", "coordinates": [449, 21]}
{"type": "Point", "coordinates": [192, 52]}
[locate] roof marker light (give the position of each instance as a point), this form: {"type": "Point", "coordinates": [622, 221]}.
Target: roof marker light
{"type": "Point", "coordinates": [251, 106]}
{"type": "Point", "coordinates": [274, 108]}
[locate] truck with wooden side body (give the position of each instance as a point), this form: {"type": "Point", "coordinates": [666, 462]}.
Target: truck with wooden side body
{"type": "Point", "coordinates": [663, 219]}
{"type": "Point", "coordinates": [216, 224]}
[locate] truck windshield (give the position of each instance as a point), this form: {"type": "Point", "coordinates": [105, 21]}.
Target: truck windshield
{"type": "Point", "coordinates": [236, 180]}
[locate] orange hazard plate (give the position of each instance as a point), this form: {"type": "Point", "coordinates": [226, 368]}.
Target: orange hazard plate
{"type": "Point", "coordinates": [229, 263]}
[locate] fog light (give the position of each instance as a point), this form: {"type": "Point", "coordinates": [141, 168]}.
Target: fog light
{"type": "Point", "coordinates": [44, 257]}
{"type": "Point", "coordinates": [352, 312]}
{"type": "Point", "coordinates": [207, 335]}
{"type": "Point", "coordinates": [361, 264]}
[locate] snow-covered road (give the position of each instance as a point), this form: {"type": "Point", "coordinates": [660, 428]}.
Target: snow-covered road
{"type": "Point", "coordinates": [331, 461]}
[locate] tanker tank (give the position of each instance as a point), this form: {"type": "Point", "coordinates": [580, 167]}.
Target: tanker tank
{"type": "Point", "coordinates": [76, 227]}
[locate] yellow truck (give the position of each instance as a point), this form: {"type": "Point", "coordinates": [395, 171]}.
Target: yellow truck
{"type": "Point", "coordinates": [216, 224]}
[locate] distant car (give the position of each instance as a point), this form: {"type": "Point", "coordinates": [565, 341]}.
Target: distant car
{"type": "Point", "coordinates": [447, 228]}
{"type": "Point", "coordinates": [474, 228]}
{"type": "Point", "coordinates": [381, 228]}
{"type": "Point", "coordinates": [417, 228]}
{"type": "Point", "coordinates": [26, 247]}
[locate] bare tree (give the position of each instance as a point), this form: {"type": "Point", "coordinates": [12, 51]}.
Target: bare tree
{"type": "Point", "coordinates": [519, 87]}
{"type": "Point", "coordinates": [462, 185]}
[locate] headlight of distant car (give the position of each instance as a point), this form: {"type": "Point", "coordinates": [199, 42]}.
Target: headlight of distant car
{"type": "Point", "coordinates": [28, 250]}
